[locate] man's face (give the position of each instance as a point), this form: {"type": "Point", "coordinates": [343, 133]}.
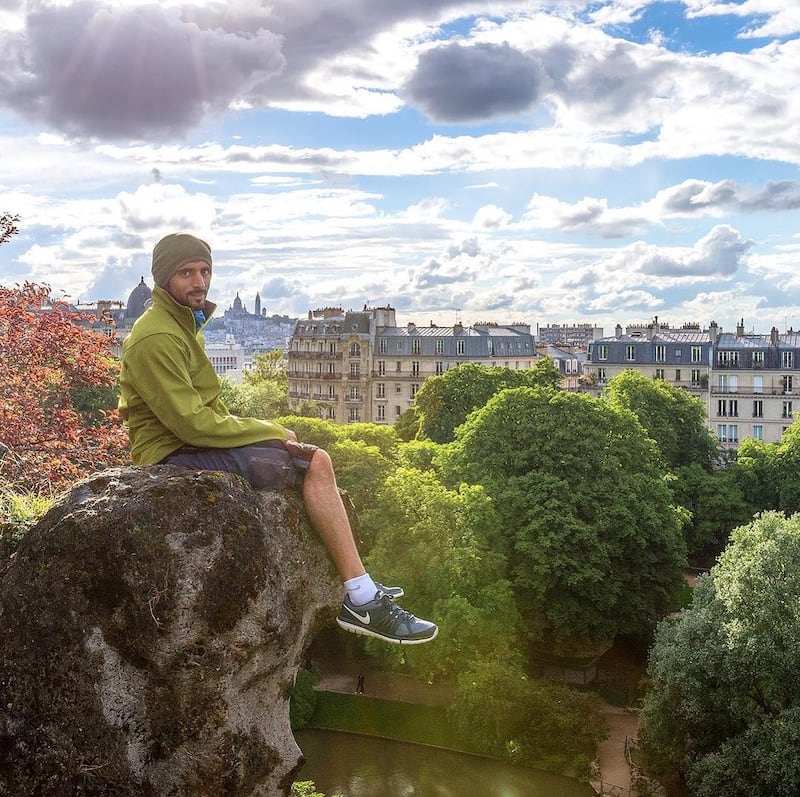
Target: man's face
{"type": "Point", "coordinates": [189, 284]}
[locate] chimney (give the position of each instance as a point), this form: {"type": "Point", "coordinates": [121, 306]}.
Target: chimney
{"type": "Point", "coordinates": [740, 329]}
{"type": "Point", "coordinates": [773, 336]}
{"type": "Point", "coordinates": [713, 332]}
{"type": "Point", "coordinates": [618, 331]}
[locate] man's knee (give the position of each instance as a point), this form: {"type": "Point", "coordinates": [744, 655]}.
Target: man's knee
{"type": "Point", "coordinates": [320, 463]}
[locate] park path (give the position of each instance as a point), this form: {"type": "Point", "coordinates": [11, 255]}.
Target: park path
{"type": "Point", "coordinates": [614, 776]}
{"type": "Point", "coordinates": [614, 772]}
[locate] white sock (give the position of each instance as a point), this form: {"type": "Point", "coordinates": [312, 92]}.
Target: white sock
{"type": "Point", "coordinates": [360, 589]}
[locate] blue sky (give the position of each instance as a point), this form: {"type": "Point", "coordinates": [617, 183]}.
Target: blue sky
{"type": "Point", "coordinates": [554, 162]}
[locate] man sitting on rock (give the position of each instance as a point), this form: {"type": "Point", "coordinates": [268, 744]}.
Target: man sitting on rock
{"type": "Point", "coordinates": [170, 402]}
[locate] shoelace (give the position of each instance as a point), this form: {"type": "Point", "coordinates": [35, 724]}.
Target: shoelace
{"type": "Point", "coordinates": [395, 612]}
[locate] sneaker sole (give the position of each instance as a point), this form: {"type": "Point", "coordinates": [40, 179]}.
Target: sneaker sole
{"type": "Point", "coordinates": [359, 629]}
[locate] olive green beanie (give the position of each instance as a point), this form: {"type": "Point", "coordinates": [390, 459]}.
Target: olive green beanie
{"type": "Point", "coordinates": [175, 250]}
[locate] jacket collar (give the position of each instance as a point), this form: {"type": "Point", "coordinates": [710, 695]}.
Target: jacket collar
{"type": "Point", "coordinates": [180, 312]}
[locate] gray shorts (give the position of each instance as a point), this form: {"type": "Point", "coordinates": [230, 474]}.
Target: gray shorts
{"type": "Point", "coordinates": [271, 464]}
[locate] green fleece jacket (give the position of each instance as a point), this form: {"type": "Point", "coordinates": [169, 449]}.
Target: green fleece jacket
{"type": "Point", "coordinates": [169, 392]}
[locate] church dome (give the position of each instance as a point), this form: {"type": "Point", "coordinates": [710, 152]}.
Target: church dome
{"type": "Point", "coordinates": [237, 303]}
{"type": "Point", "coordinates": [138, 300]}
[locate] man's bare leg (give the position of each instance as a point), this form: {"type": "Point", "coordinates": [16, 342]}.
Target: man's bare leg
{"type": "Point", "coordinates": [329, 517]}
{"type": "Point", "coordinates": [380, 617]}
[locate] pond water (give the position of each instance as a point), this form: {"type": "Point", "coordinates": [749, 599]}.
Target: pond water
{"type": "Point", "coordinates": [352, 765]}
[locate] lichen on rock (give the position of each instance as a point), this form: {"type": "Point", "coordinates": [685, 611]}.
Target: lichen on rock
{"type": "Point", "coordinates": [151, 626]}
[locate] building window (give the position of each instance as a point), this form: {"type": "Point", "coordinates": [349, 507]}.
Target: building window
{"type": "Point", "coordinates": [630, 353]}
{"type": "Point", "coordinates": [660, 353]}
{"type": "Point", "coordinates": [355, 350]}
{"type": "Point", "coordinates": [398, 388]}
{"type": "Point", "coordinates": [381, 412]}
{"type": "Point", "coordinates": [787, 382]}
{"type": "Point", "coordinates": [728, 383]}
{"type": "Point", "coordinates": [415, 347]}
{"type": "Point", "coordinates": [355, 370]}
{"type": "Point", "coordinates": [397, 411]}
{"type": "Point", "coordinates": [602, 351]}
{"type": "Point", "coordinates": [758, 431]}
{"type": "Point", "coordinates": [728, 359]}
{"type": "Point", "coordinates": [331, 413]}
{"type": "Point", "coordinates": [353, 415]}
{"type": "Point", "coordinates": [787, 410]}
{"type": "Point", "coordinates": [697, 354]}
{"type": "Point", "coordinates": [381, 390]}
{"type": "Point", "coordinates": [721, 408]}
{"type": "Point", "coordinates": [398, 366]}
{"type": "Point", "coordinates": [460, 347]}
{"type": "Point", "coordinates": [758, 361]}
{"type": "Point", "coordinates": [787, 359]}
{"type": "Point", "coordinates": [414, 389]}
{"type": "Point", "coordinates": [659, 373]}
{"type": "Point", "coordinates": [758, 384]}
{"type": "Point", "coordinates": [381, 367]}
{"type": "Point", "coordinates": [439, 368]}
{"type": "Point", "coordinates": [382, 346]}
{"type": "Point", "coordinates": [331, 392]}
{"type": "Point", "coordinates": [415, 368]}
{"type": "Point", "coordinates": [695, 377]}
{"type": "Point", "coordinates": [440, 347]}
{"type": "Point", "coordinates": [728, 433]}
{"type": "Point", "coordinates": [733, 408]}
{"type": "Point", "coordinates": [677, 376]}
{"type": "Point", "coordinates": [758, 408]}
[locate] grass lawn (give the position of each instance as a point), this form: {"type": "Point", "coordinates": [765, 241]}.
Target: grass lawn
{"type": "Point", "coordinates": [391, 719]}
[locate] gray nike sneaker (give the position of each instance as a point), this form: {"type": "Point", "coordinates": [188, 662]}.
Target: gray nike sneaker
{"type": "Point", "coordinates": [383, 619]}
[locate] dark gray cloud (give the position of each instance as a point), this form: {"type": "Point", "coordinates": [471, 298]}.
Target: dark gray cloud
{"type": "Point", "coordinates": [92, 70]}
{"type": "Point", "coordinates": [612, 84]}
{"type": "Point", "coordinates": [119, 73]}
{"type": "Point", "coordinates": [460, 83]}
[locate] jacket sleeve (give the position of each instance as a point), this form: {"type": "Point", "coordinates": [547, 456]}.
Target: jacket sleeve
{"type": "Point", "coordinates": [159, 367]}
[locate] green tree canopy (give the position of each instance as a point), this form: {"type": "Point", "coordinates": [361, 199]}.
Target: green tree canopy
{"type": "Point", "coordinates": [721, 717]}
{"type": "Point", "coordinates": [444, 402]}
{"type": "Point", "coordinates": [501, 712]}
{"type": "Point", "coordinates": [716, 505]}
{"type": "Point", "coordinates": [672, 416]}
{"type": "Point", "coordinates": [434, 541]}
{"type": "Point", "coordinates": [593, 543]}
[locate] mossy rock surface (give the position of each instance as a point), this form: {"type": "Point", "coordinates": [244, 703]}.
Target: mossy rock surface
{"type": "Point", "coordinates": [151, 626]}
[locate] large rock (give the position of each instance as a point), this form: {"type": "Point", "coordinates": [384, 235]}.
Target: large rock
{"type": "Point", "coordinates": [151, 627]}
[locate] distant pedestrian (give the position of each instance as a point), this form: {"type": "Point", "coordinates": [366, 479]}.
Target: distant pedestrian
{"type": "Point", "coordinates": [360, 684]}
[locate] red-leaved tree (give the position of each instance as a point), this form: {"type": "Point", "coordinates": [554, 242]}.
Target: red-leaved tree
{"type": "Point", "coordinates": [58, 419]}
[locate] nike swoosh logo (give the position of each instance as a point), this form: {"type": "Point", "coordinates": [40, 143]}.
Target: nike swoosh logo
{"type": "Point", "coordinates": [364, 618]}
